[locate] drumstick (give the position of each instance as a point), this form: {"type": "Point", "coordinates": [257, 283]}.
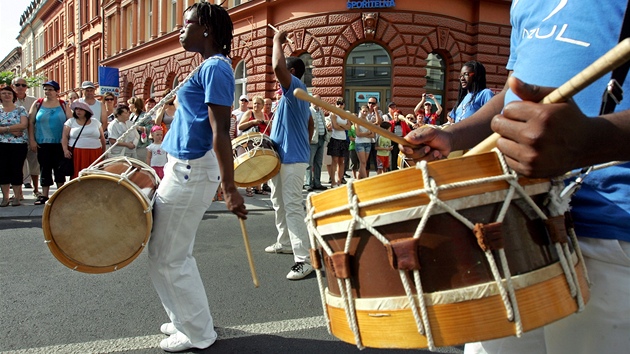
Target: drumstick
{"type": "Point", "coordinates": [277, 30]}
{"type": "Point", "coordinates": [249, 252]}
{"type": "Point", "coordinates": [608, 62]}
{"type": "Point", "coordinates": [303, 95]}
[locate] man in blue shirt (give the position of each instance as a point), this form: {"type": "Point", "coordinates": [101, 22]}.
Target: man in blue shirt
{"type": "Point", "coordinates": [291, 133]}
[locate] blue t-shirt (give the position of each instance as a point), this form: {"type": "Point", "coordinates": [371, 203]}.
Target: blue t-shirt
{"type": "Point", "coordinates": [289, 130]}
{"type": "Point", "coordinates": [49, 125]}
{"type": "Point", "coordinates": [190, 135]}
{"type": "Point", "coordinates": [551, 42]}
{"type": "Point", "coordinates": [466, 108]}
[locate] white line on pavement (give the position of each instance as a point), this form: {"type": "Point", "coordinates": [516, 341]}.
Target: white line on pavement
{"type": "Point", "coordinates": [148, 342]}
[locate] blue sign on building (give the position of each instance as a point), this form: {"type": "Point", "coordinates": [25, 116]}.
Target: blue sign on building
{"type": "Point", "coordinates": [370, 4]}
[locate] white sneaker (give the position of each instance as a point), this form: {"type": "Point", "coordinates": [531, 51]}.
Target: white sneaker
{"type": "Point", "coordinates": [178, 342]}
{"type": "Point", "coordinates": [168, 329]}
{"type": "Point", "coordinates": [299, 271]}
{"type": "Point", "coordinates": [278, 248]}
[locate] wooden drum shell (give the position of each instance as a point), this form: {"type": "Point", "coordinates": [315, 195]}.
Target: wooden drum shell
{"type": "Point", "coordinates": [450, 258]}
{"type": "Point", "coordinates": [100, 222]}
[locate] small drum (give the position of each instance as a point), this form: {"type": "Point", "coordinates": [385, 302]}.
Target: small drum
{"type": "Point", "coordinates": [456, 251]}
{"type": "Point", "coordinates": [100, 221]}
{"type": "Point", "coordinates": [255, 159]}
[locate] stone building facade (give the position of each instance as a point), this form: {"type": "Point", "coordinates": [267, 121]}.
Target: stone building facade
{"type": "Point", "coordinates": [394, 50]}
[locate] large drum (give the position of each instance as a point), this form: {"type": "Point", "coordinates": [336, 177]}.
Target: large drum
{"type": "Point", "coordinates": [100, 221]}
{"type": "Point", "coordinates": [450, 252]}
{"type": "Point", "coordinates": [255, 159]}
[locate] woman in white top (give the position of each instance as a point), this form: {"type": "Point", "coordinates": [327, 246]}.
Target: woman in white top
{"type": "Point", "coordinates": [85, 134]}
{"type": "Point", "coordinates": [338, 145]}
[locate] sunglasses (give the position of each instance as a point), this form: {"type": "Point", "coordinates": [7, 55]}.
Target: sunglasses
{"type": "Point", "coordinates": [20, 85]}
{"type": "Point", "coordinates": [109, 99]}
{"type": "Point", "coordinates": [371, 102]}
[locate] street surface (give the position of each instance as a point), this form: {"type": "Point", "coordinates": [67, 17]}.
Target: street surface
{"type": "Point", "coordinates": [48, 308]}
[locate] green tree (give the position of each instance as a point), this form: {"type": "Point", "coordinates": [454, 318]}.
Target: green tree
{"type": "Point", "coordinates": [33, 81]}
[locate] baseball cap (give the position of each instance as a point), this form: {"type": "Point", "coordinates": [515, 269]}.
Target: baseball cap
{"type": "Point", "coordinates": [52, 83]}
{"type": "Point", "coordinates": [243, 97]}
{"type": "Point", "coordinates": [87, 84]}
{"type": "Point", "coordinates": [82, 105]}
{"type": "Point", "coordinates": [428, 102]}
{"type": "Point", "coordinates": [391, 104]}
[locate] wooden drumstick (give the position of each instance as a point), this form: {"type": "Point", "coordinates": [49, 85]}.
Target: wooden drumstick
{"type": "Point", "coordinates": [249, 252]}
{"type": "Point", "coordinates": [277, 30]}
{"type": "Point", "coordinates": [608, 62]}
{"type": "Point", "coordinates": [303, 95]}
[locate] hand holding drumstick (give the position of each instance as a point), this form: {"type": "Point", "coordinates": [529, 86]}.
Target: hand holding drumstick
{"type": "Point", "coordinates": [278, 31]}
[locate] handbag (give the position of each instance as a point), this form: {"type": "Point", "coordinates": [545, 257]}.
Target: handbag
{"type": "Point", "coordinates": [66, 165]}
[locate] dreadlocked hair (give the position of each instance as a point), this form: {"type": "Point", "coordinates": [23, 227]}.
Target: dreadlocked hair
{"type": "Point", "coordinates": [477, 84]}
{"type": "Point", "coordinates": [216, 19]}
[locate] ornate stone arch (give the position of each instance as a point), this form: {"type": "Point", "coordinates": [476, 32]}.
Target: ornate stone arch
{"type": "Point", "coordinates": [173, 70]}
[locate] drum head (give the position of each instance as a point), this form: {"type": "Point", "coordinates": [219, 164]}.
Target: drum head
{"type": "Point", "coordinates": [256, 167]}
{"type": "Point", "coordinates": [96, 224]}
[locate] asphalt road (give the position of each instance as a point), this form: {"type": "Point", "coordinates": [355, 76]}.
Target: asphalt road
{"type": "Point", "coordinates": [48, 308]}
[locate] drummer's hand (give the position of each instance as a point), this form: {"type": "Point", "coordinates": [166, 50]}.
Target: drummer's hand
{"type": "Point", "coordinates": [434, 144]}
{"type": "Point", "coordinates": [540, 140]}
{"type": "Point", "coordinates": [280, 36]}
{"type": "Point", "coordinates": [234, 202]}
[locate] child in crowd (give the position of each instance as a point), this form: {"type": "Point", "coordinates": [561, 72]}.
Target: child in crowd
{"type": "Point", "coordinates": [383, 150]}
{"type": "Point", "coordinates": [156, 157]}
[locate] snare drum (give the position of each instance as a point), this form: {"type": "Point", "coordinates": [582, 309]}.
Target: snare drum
{"type": "Point", "coordinates": [255, 159]}
{"type": "Point", "coordinates": [100, 221]}
{"type": "Point", "coordinates": [455, 251]}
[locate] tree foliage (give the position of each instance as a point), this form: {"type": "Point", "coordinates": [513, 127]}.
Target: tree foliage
{"type": "Point", "coordinates": [33, 81]}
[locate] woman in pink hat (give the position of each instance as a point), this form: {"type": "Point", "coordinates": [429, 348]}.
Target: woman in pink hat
{"type": "Point", "coordinates": [83, 138]}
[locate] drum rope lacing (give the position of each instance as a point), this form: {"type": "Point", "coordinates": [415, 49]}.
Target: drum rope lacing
{"type": "Point", "coordinates": [125, 176]}
{"type": "Point", "coordinates": [557, 206]}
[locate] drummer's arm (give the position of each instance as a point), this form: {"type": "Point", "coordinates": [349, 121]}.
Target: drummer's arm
{"type": "Point", "coordinates": [220, 121]}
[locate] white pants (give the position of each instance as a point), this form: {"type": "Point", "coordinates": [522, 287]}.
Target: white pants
{"type": "Point", "coordinates": [184, 195]}
{"type": "Point", "coordinates": [604, 325]}
{"type": "Point", "coordinates": [286, 197]}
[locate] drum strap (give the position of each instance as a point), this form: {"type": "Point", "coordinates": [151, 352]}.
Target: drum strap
{"type": "Point", "coordinates": [614, 93]}
{"type": "Point", "coordinates": [77, 139]}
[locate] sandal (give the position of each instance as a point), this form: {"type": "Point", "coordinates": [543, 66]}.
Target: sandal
{"type": "Point", "coordinates": [263, 192]}
{"type": "Point", "coordinates": [249, 192]}
{"type": "Point", "coordinates": [4, 203]}
{"type": "Point", "coordinates": [41, 200]}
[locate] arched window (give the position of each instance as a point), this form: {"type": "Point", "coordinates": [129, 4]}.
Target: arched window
{"type": "Point", "coordinates": [436, 80]}
{"type": "Point", "coordinates": [307, 79]}
{"type": "Point", "coordinates": [368, 74]}
{"type": "Point", "coordinates": [240, 81]}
